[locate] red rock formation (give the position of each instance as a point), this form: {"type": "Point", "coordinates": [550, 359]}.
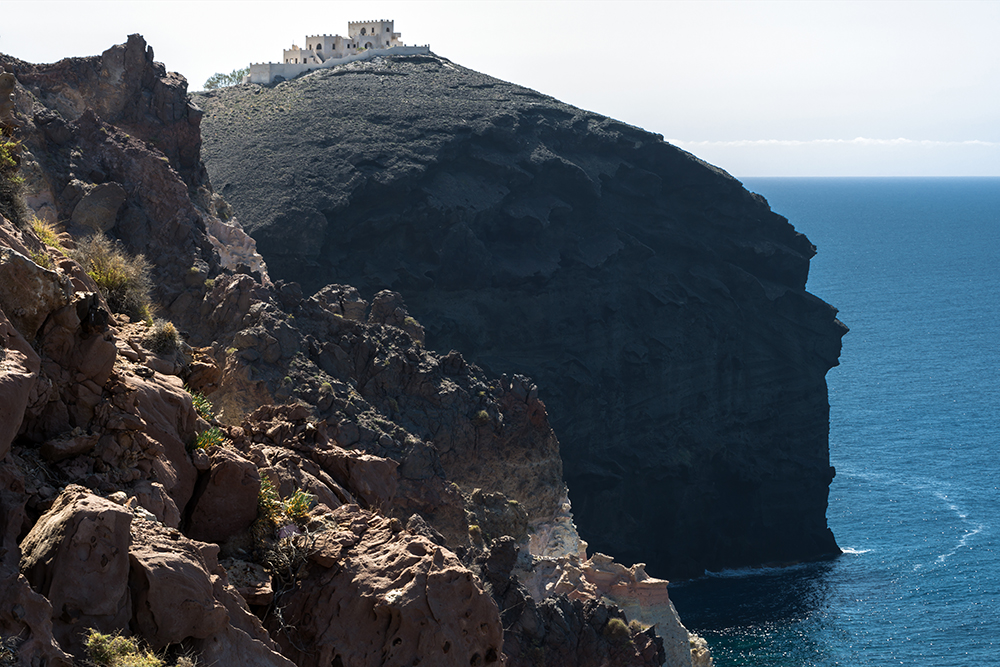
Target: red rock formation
{"type": "Point", "coordinates": [374, 594]}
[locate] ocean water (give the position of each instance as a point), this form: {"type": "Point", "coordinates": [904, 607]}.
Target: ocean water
{"type": "Point", "coordinates": [914, 267]}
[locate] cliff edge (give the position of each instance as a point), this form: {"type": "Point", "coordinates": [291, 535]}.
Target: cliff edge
{"type": "Point", "coordinates": [202, 462]}
{"type": "Point", "coordinates": [660, 306]}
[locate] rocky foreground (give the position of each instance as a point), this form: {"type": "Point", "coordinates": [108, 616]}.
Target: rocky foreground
{"type": "Point", "coordinates": [660, 306]}
{"type": "Point", "coordinates": [344, 496]}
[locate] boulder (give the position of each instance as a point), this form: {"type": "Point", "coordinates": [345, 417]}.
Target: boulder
{"type": "Point", "coordinates": [29, 292]}
{"type": "Point", "coordinates": [19, 366]}
{"type": "Point", "coordinates": [172, 586]}
{"type": "Point", "coordinates": [24, 613]}
{"type": "Point", "coordinates": [225, 498]}
{"type": "Point", "coordinates": [98, 209]}
{"type": "Point", "coordinates": [76, 556]}
{"type": "Point", "coordinates": [375, 594]}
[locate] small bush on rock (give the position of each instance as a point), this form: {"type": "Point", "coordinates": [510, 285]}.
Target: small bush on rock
{"type": "Point", "coordinates": [297, 506]}
{"type": "Point", "coordinates": [12, 204]}
{"type": "Point", "coordinates": [117, 651]}
{"type": "Point", "coordinates": [209, 438]}
{"type": "Point", "coordinates": [617, 631]}
{"type": "Point", "coordinates": [202, 405]}
{"type": "Point", "coordinates": [162, 337]}
{"type": "Point", "coordinates": [46, 232]}
{"type": "Point", "coordinates": [124, 280]}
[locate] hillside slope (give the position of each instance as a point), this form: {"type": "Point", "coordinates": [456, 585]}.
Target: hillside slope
{"type": "Point", "coordinates": [256, 476]}
{"type": "Point", "coordinates": [661, 307]}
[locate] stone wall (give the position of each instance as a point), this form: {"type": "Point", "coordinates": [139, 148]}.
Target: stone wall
{"type": "Point", "coordinates": [265, 73]}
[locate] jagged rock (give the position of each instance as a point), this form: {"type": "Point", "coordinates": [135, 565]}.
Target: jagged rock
{"type": "Point", "coordinates": [251, 580]}
{"type": "Point", "coordinates": [371, 479]}
{"type": "Point", "coordinates": [660, 307]}
{"type": "Point", "coordinates": [168, 421]}
{"type": "Point", "coordinates": [225, 499]}
{"type": "Point", "coordinates": [172, 586]}
{"type": "Point", "coordinates": [76, 557]}
{"type": "Point", "coordinates": [388, 597]}
{"type": "Point", "coordinates": [19, 366]}
{"type": "Point", "coordinates": [152, 497]}
{"type": "Point", "coordinates": [30, 292]}
{"type": "Point", "coordinates": [25, 613]}
{"type": "Point", "coordinates": [99, 208]}
{"type": "Point", "coordinates": [560, 631]}
{"type": "Point", "coordinates": [7, 82]}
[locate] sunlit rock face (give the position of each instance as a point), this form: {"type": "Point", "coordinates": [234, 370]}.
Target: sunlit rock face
{"type": "Point", "coordinates": [660, 307]}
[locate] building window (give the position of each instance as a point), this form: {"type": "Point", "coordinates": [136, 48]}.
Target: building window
{"type": "Point", "coordinates": [387, 29]}
{"type": "Point", "coordinates": [319, 47]}
{"type": "Point", "coordinates": [363, 31]}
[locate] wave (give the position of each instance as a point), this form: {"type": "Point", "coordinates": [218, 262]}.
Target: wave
{"type": "Point", "coordinates": [855, 552]}
{"type": "Point", "coordinates": [741, 572]}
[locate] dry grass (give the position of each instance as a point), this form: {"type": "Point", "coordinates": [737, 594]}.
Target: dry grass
{"type": "Point", "coordinates": [123, 279]}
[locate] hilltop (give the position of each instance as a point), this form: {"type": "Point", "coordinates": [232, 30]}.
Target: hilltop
{"type": "Point", "coordinates": [661, 308]}
{"type": "Point", "coordinates": [233, 468]}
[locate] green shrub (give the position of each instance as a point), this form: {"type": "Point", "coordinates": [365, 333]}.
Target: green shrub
{"type": "Point", "coordinates": [481, 418]}
{"type": "Point", "coordinates": [12, 204]}
{"type": "Point", "coordinates": [297, 506]}
{"type": "Point", "coordinates": [42, 259]}
{"type": "Point", "coordinates": [209, 438]}
{"type": "Point", "coordinates": [617, 631]}
{"type": "Point", "coordinates": [46, 232]}
{"type": "Point", "coordinates": [117, 651]}
{"type": "Point", "coordinates": [220, 80]}
{"type": "Point", "coordinates": [162, 337]}
{"type": "Point", "coordinates": [124, 280]}
{"type": "Point", "coordinates": [202, 405]}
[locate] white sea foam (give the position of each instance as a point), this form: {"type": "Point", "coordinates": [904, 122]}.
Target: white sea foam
{"type": "Point", "coordinates": [855, 552]}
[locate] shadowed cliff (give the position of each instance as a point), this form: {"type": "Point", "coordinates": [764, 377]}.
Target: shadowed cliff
{"type": "Point", "coordinates": [660, 306]}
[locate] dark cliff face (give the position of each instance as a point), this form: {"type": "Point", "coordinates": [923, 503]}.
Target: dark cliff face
{"type": "Point", "coordinates": [660, 306]}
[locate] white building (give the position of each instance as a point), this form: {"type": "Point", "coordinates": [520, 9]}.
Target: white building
{"type": "Point", "coordinates": [365, 39]}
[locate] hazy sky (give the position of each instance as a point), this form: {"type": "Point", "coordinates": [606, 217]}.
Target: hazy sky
{"type": "Point", "coordinates": [758, 88]}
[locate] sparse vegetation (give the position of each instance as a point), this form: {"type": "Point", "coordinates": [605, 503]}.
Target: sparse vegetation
{"type": "Point", "coordinates": [123, 279]}
{"type": "Point", "coordinates": [220, 80]}
{"type": "Point", "coordinates": [297, 506]}
{"type": "Point", "coordinates": [117, 651]}
{"type": "Point", "coordinates": [42, 259]}
{"type": "Point", "coordinates": [12, 204]}
{"type": "Point", "coordinates": [8, 652]}
{"type": "Point", "coordinates": [273, 512]}
{"type": "Point", "coordinates": [208, 438]}
{"type": "Point", "coordinates": [617, 631]}
{"type": "Point", "coordinates": [202, 405]}
{"type": "Point", "coordinates": [481, 418]}
{"type": "Point", "coordinates": [46, 232]}
{"type": "Point", "coordinates": [636, 626]}
{"type": "Point", "coordinates": [162, 337]}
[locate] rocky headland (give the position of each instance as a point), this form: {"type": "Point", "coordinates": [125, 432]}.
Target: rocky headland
{"type": "Point", "coordinates": [247, 470]}
{"type": "Point", "coordinates": [660, 307]}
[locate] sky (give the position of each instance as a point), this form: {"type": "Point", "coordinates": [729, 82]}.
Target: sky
{"type": "Point", "coordinates": [806, 88]}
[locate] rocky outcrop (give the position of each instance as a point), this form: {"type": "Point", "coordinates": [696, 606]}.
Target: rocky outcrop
{"type": "Point", "coordinates": [343, 473]}
{"type": "Point", "coordinates": [559, 630]}
{"type": "Point", "coordinates": [372, 593]}
{"type": "Point", "coordinates": [659, 305]}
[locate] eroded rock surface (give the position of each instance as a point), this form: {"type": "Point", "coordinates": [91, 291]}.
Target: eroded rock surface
{"type": "Point", "coordinates": [373, 593]}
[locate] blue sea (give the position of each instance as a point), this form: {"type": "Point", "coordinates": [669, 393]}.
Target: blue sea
{"type": "Point", "coordinates": [914, 267]}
